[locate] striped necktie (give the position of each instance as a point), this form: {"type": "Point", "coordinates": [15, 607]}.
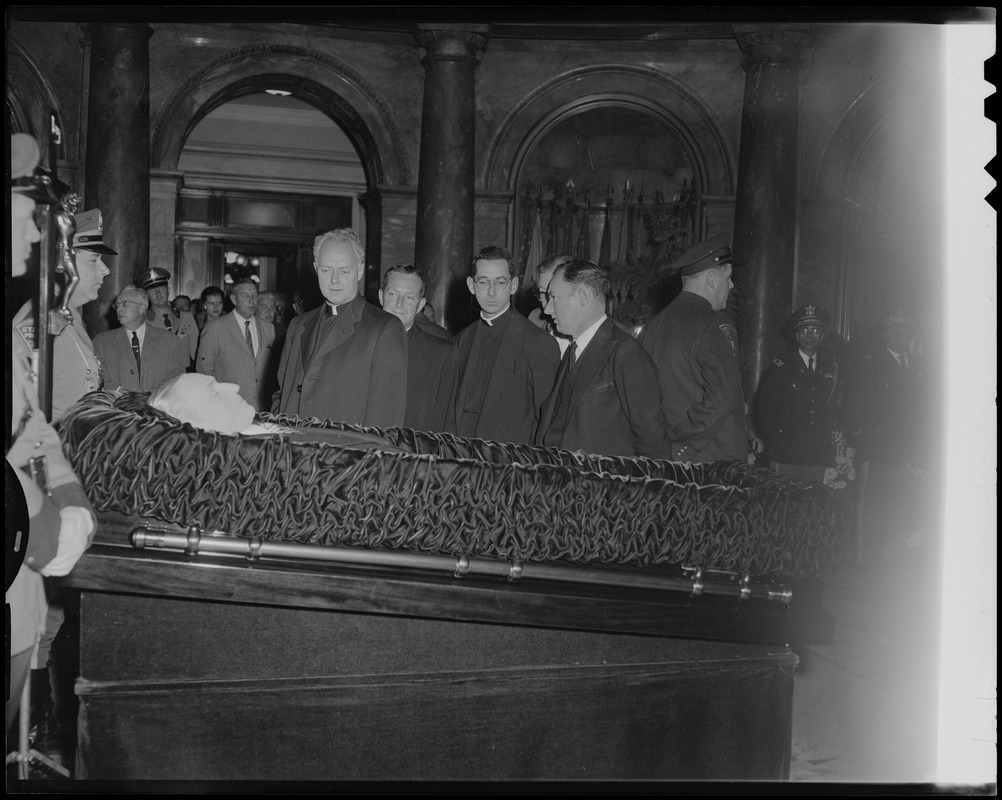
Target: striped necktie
{"type": "Point", "coordinates": [247, 335]}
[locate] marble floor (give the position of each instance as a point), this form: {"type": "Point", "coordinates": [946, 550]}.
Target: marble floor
{"type": "Point", "coordinates": [864, 705]}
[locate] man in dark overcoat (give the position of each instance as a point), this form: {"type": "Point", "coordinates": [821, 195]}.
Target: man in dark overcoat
{"type": "Point", "coordinates": [695, 347]}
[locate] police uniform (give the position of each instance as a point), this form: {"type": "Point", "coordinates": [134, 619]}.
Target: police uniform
{"type": "Point", "coordinates": [52, 539]}
{"type": "Point", "coordinates": [696, 352]}
{"type": "Point", "coordinates": [797, 407]}
{"type": "Point", "coordinates": [76, 369]}
{"type": "Point", "coordinates": [180, 323]}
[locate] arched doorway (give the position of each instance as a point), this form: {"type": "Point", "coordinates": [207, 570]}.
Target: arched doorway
{"type": "Point", "coordinates": [264, 174]}
{"type": "Point", "coordinates": [327, 84]}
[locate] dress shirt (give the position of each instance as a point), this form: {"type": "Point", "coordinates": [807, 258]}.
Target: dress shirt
{"type": "Point", "coordinates": [588, 334]}
{"type": "Point", "coordinates": [243, 328]}
{"type": "Point", "coordinates": [140, 333]}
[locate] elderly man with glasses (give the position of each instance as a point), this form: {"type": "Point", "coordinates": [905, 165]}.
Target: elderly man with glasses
{"type": "Point", "coordinates": [138, 357]}
{"type": "Point", "coordinates": [507, 365]}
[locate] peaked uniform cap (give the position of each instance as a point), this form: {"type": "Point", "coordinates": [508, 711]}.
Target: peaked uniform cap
{"type": "Point", "coordinates": [153, 277]}
{"type": "Point", "coordinates": [90, 233]}
{"type": "Point", "coordinates": [898, 318]}
{"type": "Point", "coordinates": [713, 252]}
{"type": "Point", "coordinates": [25, 176]}
{"type": "Point", "coordinates": [809, 316]}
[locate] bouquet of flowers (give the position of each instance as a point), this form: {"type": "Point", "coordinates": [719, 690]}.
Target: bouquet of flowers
{"type": "Point", "coordinates": [844, 471]}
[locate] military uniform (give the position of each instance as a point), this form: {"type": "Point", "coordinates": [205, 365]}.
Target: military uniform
{"type": "Point", "coordinates": [797, 411]}
{"type": "Point", "coordinates": [181, 324]}
{"type": "Point", "coordinates": [798, 402]}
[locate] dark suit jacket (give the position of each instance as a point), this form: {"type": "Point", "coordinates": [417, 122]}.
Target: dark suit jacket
{"type": "Point", "coordinates": [357, 374]}
{"type": "Point", "coordinates": [521, 378]}
{"type": "Point", "coordinates": [432, 377]}
{"type": "Point", "coordinates": [223, 353]}
{"type": "Point", "coordinates": [615, 401]}
{"type": "Point", "coordinates": [164, 355]}
{"type": "Point", "coordinates": [890, 411]}
{"type": "Point", "coordinates": [428, 326]}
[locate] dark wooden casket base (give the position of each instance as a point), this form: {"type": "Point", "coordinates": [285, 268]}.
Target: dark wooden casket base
{"type": "Point", "coordinates": [217, 669]}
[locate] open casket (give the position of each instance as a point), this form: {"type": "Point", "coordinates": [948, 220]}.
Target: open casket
{"type": "Point", "coordinates": [281, 607]}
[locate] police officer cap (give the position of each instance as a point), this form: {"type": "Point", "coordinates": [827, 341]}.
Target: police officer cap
{"type": "Point", "coordinates": [90, 233]}
{"type": "Point", "coordinates": [25, 176]}
{"type": "Point", "coordinates": [898, 318]}
{"type": "Point", "coordinates": [153, 277]}
{"type": "Point", "coordinates": [24, 156]}
{"type": "Point", "coordinates": [809, 317]}
{"type": "Point", "coordinates": [713, 252]}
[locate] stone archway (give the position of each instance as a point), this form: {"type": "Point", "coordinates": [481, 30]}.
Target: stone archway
{"type": "Point", "coordinates": [640, 88]}
{"type": "Point", "coordinates": [313, 77]}
{"type": "Point", "coordinates": [642, 91]}
{"type": "Point", "coordinates": [873, 218]}
{"type": "Point", "coordinates": [29, 103]}
{"type": "Point", "coordinates": [326, 83]}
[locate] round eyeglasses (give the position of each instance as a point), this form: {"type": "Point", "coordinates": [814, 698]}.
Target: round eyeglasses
{"type": "Point", "coordinates": [484, 284]}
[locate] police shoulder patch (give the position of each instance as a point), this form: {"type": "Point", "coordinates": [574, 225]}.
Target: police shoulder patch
{"type": "Point", "coordinates": [731, 333]}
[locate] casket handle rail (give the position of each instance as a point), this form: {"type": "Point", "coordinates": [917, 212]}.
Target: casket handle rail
{"type": "Point", "coordinates": [194, 541]}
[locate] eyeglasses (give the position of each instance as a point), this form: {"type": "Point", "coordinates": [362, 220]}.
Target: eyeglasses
{"type": "Point", "coordinates": [124, 304]}
{"type": "Point", "coordinates": [484, 284]}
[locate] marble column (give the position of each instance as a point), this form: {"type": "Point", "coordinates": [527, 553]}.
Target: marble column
{"type": "Point", "coordinates": [445, 201]}
{"type": "Point", "coordinates": [765, 219]}
{"type": "Point", "coordinates": [118, 149]}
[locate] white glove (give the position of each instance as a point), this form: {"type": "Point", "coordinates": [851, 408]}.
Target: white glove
{"type": "Point", "coordinates": [75, 528]}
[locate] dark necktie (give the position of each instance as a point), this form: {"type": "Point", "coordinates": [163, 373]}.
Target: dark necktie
{"type": "Point", "coordinates": [565, 366]}
{"type": "Point", "coordinates": [810, 364]}
{"type": "Point", "coordinates": [903, 360]}
{"type": "Point", "coordinates": [135, 351]}
{"type": "Point", "coordinates": [167, 323]}
{"type": "Point", "coordinates": [247, 335]}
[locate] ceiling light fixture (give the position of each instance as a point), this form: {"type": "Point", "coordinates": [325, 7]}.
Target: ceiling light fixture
{"type": "Point", "coordinates": [278, 92]}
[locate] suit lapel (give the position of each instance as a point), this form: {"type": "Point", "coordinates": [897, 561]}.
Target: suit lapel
{"type": "Point", "coordinates": [308, 333]}
{"type": "Point", "coordinates": [590, 364]}
{"type": "Point", "coordinates": [350, 314]}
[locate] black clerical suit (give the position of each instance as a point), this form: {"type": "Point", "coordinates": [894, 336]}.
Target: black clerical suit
{"type": "Point", "coordinates": [506, 370]}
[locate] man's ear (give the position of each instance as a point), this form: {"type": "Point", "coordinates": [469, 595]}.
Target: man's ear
{"type": "Point", "coordinates": [380, 297]}
{"type": "Point", "coordinates": [514, 286]}
{"type": "Point", "coordinates": [420, 306]}
{"type": "Point", "coordinates": [471, 285]}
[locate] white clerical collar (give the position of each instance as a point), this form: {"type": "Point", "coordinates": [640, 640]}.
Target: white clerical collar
{"type": "Point", "coordinates": [490, 319]}
{"type": "Point", "coordinates": [588, 334]}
